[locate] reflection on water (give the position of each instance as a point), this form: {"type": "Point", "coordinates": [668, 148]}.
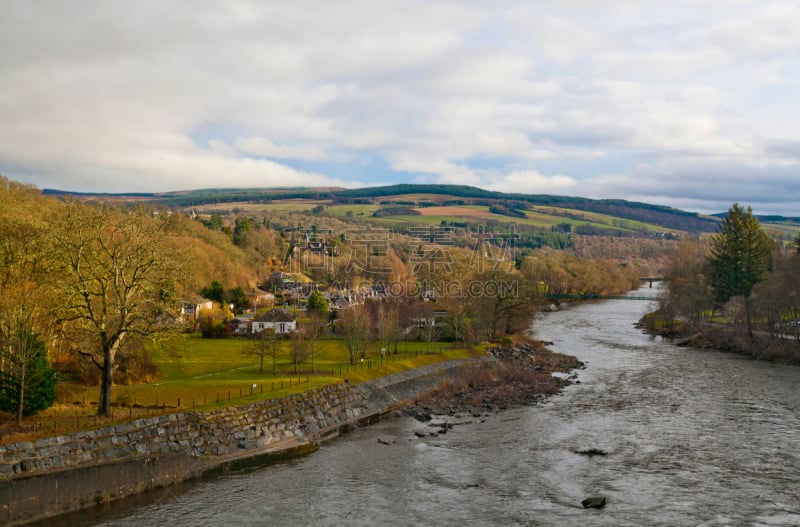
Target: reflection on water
{"type": "Point", "coordinates": [693, 438]}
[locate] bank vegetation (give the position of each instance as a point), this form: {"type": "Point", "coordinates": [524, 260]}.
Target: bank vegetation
{"type": "Point", "coordinates": [737, 291]}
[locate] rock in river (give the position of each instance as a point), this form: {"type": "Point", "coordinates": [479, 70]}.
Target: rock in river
{"type": "Point", "coordinates": [594, 502]}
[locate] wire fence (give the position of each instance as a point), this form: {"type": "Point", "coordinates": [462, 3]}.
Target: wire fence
{"type": "Point", "coordinates": [82, 415]}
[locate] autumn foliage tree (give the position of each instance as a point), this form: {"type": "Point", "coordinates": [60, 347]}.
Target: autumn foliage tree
{"type": "Point", "coordinates": [26, 301]}
{"type": "Point", "coordinates": [776, 299]}
{"type": "Point", "coordinates": [689, 296]}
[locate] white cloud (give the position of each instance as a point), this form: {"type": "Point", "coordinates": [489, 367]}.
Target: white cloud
{"type": "Point", "coordinates": [516, 95]}
{"type": "Point", "coordinates": [705, 185]}
{"type": "Point", "coordinates": [261, 146]}
{"type": "Point", "coordinates": [532, 182]}
{"type": "Point", "coordinates": [436, 170]}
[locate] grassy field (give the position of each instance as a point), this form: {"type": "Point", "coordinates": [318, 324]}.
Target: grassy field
{"type": "Point", "coordinates": [203, 374]}
{"type": "Point", "coordinates": [200, 371]}
{"type": "Point", "coordinates": [355, 209]}
{"type": "Point", "coordinates": [783, 229]}
{"type": "Point", "coordinates": [460, 211]}
{"type": "Point", "coordinates": [287, 205]}
{"type": "Point", "coordinates": [535, 217]}
{"type": "Point", "coordinates": [581, 217]}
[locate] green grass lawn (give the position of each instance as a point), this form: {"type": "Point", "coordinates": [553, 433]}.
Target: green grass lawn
{"type": "Point", "coordinates": [204, 373]}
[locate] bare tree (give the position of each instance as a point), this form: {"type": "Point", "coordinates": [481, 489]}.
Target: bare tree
{"type": "Point", "coordinates": [314, 329]}
{"type": "Point", "coordinates": [426, 323]}
{"type": "Point", "coordinates": [266, 343]}
{"type": "Point", "coordinates": [776, 299]}
{"type": "Point", "coordinates": [354, 326]}
{"type": "Point", "coordinates": [300, 347]}
{"type": "Point", "coordinates": [505, 303]}
{"type": "Point", "coordinates": [387, 326]}
{"type": "Point", "coordinates": [117, 280]}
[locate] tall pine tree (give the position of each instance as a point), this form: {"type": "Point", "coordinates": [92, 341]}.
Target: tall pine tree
{"type": "Point", "coordinates": [27, 382]}
{"type": "Point", "coordinates": [739, 258]}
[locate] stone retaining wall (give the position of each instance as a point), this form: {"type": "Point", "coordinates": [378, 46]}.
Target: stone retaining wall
{"type": "Point", "coordinates": [193, 434]}
{"type": "Point", "coordinates": [100, 465]}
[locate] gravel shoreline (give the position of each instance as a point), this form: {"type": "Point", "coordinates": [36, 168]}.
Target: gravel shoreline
{"type": "Point", "coordinates": [513, 376]}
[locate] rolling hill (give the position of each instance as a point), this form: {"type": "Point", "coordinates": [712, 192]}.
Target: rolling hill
{"type": "Point", "coordinates": [457, 203]}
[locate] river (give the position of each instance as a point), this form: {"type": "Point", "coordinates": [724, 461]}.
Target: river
{"type": "Point", "coordinates": [692, 437]}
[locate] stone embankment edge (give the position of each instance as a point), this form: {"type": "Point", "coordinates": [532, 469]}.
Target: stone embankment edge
{"type": "Point", "coordinates": [263, 437]}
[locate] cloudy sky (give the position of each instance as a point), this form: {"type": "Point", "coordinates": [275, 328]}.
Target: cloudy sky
{"type": "Point", "coordinates": [693, 104]}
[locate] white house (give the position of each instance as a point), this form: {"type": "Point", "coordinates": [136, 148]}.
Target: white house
{"type": "Point", "coordinates": [280, 321]}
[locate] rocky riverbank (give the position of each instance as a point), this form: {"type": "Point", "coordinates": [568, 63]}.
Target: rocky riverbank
{"type": "Point", "coordinates": [515, 375]}
{"type": "Point", "coordinates": [722, 337]}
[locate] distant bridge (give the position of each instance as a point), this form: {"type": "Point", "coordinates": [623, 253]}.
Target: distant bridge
{"type": "Point", "coordinates": [651, 279]}
{"type": "Point", "coordinates": [558, 297]}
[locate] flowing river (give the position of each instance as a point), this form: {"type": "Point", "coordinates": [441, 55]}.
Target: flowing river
{"type": "Point", "coordinates": [692, 438]}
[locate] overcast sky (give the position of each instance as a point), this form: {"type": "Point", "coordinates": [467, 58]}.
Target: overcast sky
{"type": "Point", "coordinates": [692, 104]}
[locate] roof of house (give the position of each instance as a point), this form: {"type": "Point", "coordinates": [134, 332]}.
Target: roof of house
{"type": "Point", "coordinates": [275, 315]}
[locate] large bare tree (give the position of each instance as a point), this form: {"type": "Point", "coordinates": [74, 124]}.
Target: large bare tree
{"type": "Point", "coordinates": [117, 280]}
{"type": "Point", "coordinates": [387, 326]}
{"type": "Point", "coordinates": [355, 325]}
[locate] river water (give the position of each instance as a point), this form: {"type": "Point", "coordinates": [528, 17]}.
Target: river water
{"type": "Point", "coordinates": [692, 438]}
